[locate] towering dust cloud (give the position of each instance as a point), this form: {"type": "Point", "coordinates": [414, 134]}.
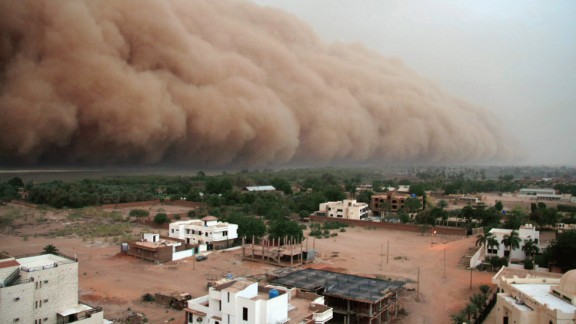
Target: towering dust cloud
{"type": "Point", "coordinates": [214, 82]}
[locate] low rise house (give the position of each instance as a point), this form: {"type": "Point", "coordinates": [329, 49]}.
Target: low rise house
{"type": "Point", "coordinates": [43, 289]}
{"type": "Point", "coordinates": [348, 209]}
{"type": "Point", "coordinates": [525, 233]}
{"type": "Point", "coordinates": [158, 248]}
{"type": "Point", "coordinates": [535, 298]}
{"type": "Point", "coordinates": [244, 301]}
{"type": "Point", "coordinates": [208, 233]}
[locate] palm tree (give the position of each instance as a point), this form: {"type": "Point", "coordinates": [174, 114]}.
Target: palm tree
{"type": "Point", "coordinates": [459, 317]}
{"type": "Point", "coordinates": [511, 242]}
{"type": "Point", "coordinates": [471, 310]}
{"type": "Point", "coordinates": [50, 249]}
{"type": "Point", "coordinates": [492, 243]}
{"type": "Point", "coordinates": [530, 248]}
{"type": "Point", "coordinates": [482, 239]}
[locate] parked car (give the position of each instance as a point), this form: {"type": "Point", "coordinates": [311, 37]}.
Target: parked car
{"type": "Point", "coordinates": [201, 257]}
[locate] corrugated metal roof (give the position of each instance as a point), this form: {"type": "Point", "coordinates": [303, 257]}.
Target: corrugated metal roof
{"type": "Point", "coordinates": [260, 188]}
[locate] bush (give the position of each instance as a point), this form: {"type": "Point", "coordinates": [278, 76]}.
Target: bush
{"type": "Point", "coordinates": [161, 218]}
{"type": "Point", "coordinates": [528, 264]}
{"type": "Point", "coordinates": [148, 297]}
{"type": "Point", "coordinates": [139, 213]}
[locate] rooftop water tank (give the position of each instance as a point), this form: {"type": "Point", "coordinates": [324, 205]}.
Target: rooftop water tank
{"type": "Point", "coordinates": [273, 293]}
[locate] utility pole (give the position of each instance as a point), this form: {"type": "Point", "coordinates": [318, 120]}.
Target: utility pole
{"type": "Point", "coordinates": [470, 278]}
{"type": "Point", "coordinates": [444, 263]}
{"type": "Point", "coordinates": [381, 254]}
{"type": "Point", "coordinates": [388, 252]}
{"type": "Point", "coordinates": [418, 286]}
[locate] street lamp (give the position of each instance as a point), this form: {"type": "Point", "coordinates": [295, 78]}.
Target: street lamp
{"type": "Point", "coordinates": [432, 241]}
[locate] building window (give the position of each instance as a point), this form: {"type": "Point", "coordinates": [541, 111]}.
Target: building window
{"type": "Point", "coordinates": [219, 305]}
{"type": "Point", "coordinates": [16, 298]}
{"type": "Point", "coordinates": [190, 317]}
{"type": "Point", "coordinates": [228, 296]}
{"type": "Point", "coordinates": [244, 314]}
{"type": "Point", "coordinates": [206, 234]}
{"type": "Point", "coordinates": [45, 281]}
{"type": "Point", "coordinates": [225, 233]}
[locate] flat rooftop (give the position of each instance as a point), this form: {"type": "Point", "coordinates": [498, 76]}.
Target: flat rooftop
{"type": "Point", "coordinates": [542, 295]}
{"type": "Point", "coordinates": [43, 260]}
{"type": "Point", "coordinates": [340, 285]}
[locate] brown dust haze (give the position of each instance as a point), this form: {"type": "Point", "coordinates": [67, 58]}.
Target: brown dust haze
{"type": "Point", "coordinates": [215, 82]}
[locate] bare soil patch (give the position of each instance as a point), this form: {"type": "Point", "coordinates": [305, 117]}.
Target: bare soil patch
{"type": "Point", "coordinates": [117, 282]}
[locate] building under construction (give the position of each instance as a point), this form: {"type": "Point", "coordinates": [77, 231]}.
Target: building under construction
{"type": "Point", "coordinates": [280, 252]}
{"type": "Point", "coordinates": [354, 299]}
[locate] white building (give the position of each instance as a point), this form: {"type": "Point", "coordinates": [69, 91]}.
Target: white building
{"type": "Point", "coordinates": [43, 289]}
{"type": "Point", "coordinates": [536, 299]}
{"type": "Point", "coordinates": [207, 232]}
{"type": "Point", "coordinates": [243, 301]}
{"type": "Point", "coordinates": [539, 194]}
{"type": "Point", "coordinates": [525, 233]}
{"type": "Point", "coordinates": [349, 208]}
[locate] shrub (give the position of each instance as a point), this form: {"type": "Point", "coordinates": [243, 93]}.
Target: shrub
{"type": "Point", "coordinates": [139, 213]}
{"type": "Point", "coordinates": [161, 218]}
{"type": "Point", "coordinates": [342, 230]}
{"type": "Point", "coordinates": [148, 297]}
{"type": "Point", "coordinates": [528, 264]}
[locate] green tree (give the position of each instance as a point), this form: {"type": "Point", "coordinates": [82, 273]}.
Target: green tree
{"type": "Point", "coordinates": [530, 248]}
{"type": "Point", "coordinates": [561, 250]}
{"type": "Point", "coordinates": [50, 249]}
{"type": "Point", "coordinates": [482, 239]}
{"type": "Point", "coordinates": [499, 206]}
{"type": "Point", "coordinates": [511, 242]}
{"type": "Point", "coordinates": [248, 226]}
{"type": "Point", "coordinates": [412, 204]}
{"type": "Point", "coordinates": [284, 228]}
{"type": "Point", "coordinates": [16, 182]}
{"type": "Point", "coordinates": [492, 243]}
{"type": "Point", "coordinates": [442, 204]}
{"type": "Point", "coordinates": [161, 218]}
{"type": "Point", "coordinates": [282, 185]}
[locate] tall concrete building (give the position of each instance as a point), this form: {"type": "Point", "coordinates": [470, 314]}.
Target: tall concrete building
{"type": "Point", "coordinates": [43, 289]}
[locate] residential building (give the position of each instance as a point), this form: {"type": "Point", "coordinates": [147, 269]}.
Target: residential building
{"type": "Point", "coordinates": [348, 208]}
{"type": "Point", "coordinates": [158, 248]}
{"type": "Point", "coordinates": [207, 232]}
{"type": "Point", "coordinates": [536, 298]}
{"type": "Point", "coordinates": [392, 201]}
{"type": "Point", "coordinates": [525, 233]}
{"type": "Point", "coordinates": [244, 301]}
{"type": "Point", "coordinates": [43, 289]}
{"type": "Point", "coordinates": [354, 299]}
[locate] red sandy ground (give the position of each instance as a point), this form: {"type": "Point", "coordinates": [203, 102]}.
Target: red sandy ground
{"type": "Point", "coordinates": [116, 281]}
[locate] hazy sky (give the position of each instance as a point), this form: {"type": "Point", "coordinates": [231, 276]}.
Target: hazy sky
{"type": "Point", "coordinates": [516, 58]}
